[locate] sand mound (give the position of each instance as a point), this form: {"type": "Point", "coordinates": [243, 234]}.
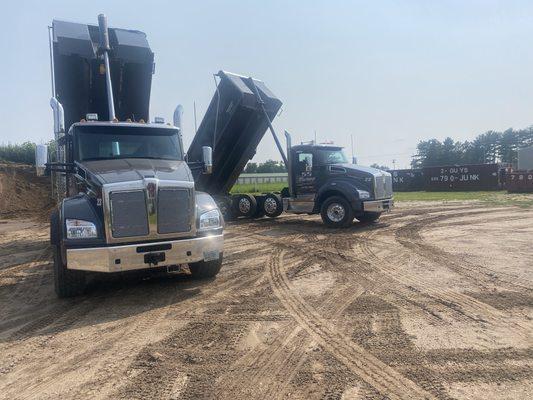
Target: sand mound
{"type": "Point", "coordinates": [23, 194]}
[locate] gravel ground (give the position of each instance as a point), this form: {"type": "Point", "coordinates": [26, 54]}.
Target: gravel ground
{"type": "Point", "coordinates": [433, 301]}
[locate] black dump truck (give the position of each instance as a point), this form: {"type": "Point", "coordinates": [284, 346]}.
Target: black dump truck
{"type": "Point", "coordinates": [126, 195]}
{"type": "Point", "coordinates": [321, 181]}
{"type": "Point", "coordinates": [130, 198]}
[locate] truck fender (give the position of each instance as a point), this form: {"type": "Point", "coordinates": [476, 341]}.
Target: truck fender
{"type": "Point", "coordinates": [80, 207]}
{"type": "Point", "coordinates": [336, 188]}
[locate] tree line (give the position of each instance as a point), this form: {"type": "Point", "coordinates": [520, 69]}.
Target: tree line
{"type": "Point", "coordinates": [23, 153]}
{"type": "Point", "coordinates": [19, 153]}
{"type": "Point", "coordinates": [267, 167]}
{"type": "Point", "coordinates": [487, 148]}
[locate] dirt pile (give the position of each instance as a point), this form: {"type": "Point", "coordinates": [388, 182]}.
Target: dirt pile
{"type": "Point", "coordinates": [23, 194]}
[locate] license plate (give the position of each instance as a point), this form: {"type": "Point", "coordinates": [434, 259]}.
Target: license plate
{"type": "Point", "coordinates": [211, 255]}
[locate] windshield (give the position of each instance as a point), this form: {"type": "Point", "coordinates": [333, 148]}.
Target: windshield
{"type": "Point", "coordinates": [331, 156]}
{"type": "Point", "coordinates": [104, 142]}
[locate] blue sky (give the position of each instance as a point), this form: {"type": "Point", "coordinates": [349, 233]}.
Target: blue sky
{"type": "Point", "coordinates": [390, 73]}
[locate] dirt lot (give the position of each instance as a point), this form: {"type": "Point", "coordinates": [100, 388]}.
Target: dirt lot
{"type": "Point", "coordinates": [434, 301]}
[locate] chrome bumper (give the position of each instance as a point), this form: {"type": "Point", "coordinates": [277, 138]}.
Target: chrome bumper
{"type": "Point", "coordinates": [378, 205]}
{"type": "Point", "coordinates": [132, 256]}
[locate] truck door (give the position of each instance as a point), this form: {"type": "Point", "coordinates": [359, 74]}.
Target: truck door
{"type": "Point", "coordinates": [304, 176]}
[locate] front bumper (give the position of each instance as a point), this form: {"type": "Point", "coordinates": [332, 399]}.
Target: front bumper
{"type": "Point", "coordinates": [134, 256]}
{"type": "Point", "coordinates": [378, 205]}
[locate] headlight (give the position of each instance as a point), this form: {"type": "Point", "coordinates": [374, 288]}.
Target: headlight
{"type": "Point", "coordinates": [363, 194]}
{"type": "Point", "coordinates": [80, 229]}
{"type": "Point", "coordinates": [210, 220]}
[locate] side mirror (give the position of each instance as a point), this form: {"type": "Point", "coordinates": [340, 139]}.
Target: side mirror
{"type": "Point", "coordinates": [207, 153]}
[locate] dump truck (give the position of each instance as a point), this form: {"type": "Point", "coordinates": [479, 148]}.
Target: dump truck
{"type": "Point", "coordinates": [321, 180]}
{"type": "Point", "coordinates": [126, 195]}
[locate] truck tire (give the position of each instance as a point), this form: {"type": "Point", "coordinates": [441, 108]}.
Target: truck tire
{"type": "Point", "coordinates": [244, 205]}
{"type": "Point", "coordinates": [368, 217]}
{"type": "Point", "coordinates": [336, 212]}
{"type": "Point", "coordinates": [67, 282]}
{"type": "Point", "coordinates": [272, 205]}
{"type": "Point", "coordinates": [205, 269]}
{"type": "Point", "coordinates": [54, 228]}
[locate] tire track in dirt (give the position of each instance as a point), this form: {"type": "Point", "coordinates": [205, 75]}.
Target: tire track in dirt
{"type": "Point", "coordinates": [462, 304]}
{"type": "Point", "coordinates": [409, 237]}
{"type": "Point", "coordinates": [370, 369]}
{"type": "Point", "coordinates": [273, 370]}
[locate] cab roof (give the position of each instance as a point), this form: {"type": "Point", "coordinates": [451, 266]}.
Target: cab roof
{"type": "Point", "coordinates": [311, 147]}
{"type": "Point", "coordinates": [123, 124]}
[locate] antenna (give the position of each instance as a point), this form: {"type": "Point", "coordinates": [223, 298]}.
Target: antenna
{"type": "Point", "coordinates": [315, 138]}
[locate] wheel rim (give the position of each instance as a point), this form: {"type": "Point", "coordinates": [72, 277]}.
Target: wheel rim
{"type": "Point", "coordinates": [245, 205]}
{"type": "Point", "coordinates": [271, 206]}
{"type": "Point", "coordinates": [336, 212]}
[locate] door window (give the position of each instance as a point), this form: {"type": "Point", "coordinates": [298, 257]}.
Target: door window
{"type": "Point", "coordinates": [305, 162]}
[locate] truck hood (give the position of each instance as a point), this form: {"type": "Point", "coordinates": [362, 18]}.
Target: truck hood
{"type": "Point", "coordinates": [360, 171]}
{"type": "Point", "coordinates": [134, 169]}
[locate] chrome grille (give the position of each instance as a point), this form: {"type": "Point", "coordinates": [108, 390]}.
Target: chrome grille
{"type": "Point", "coordinates": [128, 214]}
{"type": "Point", "coordinates": [382, 186]}
{"type": "Point", "coordinates": [388, 185]}
{"type": "Point", "coordinates": [174, 208]}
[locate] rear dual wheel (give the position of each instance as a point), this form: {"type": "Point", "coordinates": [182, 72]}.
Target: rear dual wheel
{"type": "Point", "coordinates": [245, 205]}
{"type": "Point", "coordinates": [272, 205]}
{"type": "Point", "coordinates": [248, 206]}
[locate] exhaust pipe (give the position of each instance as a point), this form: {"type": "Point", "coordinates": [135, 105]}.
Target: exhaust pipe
{"type": "Point", "coordinates": [289, 163]}
{"type": "Point", "coordinates": [104, 48]}
{"type": "Point", "coordinates": [59, 117]}
{"type": "Point", "coordinates": [178, 118]}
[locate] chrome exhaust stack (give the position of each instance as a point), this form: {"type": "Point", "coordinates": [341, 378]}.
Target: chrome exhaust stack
{"type": "Point", "coordinates": [289, 163]}
{"type": "Point", "coordinates": [104, 48]}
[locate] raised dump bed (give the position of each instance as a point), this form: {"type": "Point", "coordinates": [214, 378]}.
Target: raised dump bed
{"type": "Point", "coordinates": [233, 126]}
{"type": "Point", "coordinates": [79, 72]}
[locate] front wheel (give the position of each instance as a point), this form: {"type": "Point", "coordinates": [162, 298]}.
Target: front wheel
{"type": "Point", "coordinates": [368, 217]}
{"type": "Point", "coordinates": [336, 212]}
{"type": "Point", "coordinates": [205, 269]}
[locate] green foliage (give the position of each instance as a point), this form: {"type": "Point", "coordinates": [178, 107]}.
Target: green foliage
{"type": "Point", "coordinates": [258, 187]}
{"type": "Point", "coordinates": [268, 167]}
{"type": "Point", "coordinates": [19, 153]}
{"type": "Point", "coordinates": [251, 168]}
{"type": "Point", "coordinates": [24, 153]}
{"type": "Point", "coordinates": [489, 147]}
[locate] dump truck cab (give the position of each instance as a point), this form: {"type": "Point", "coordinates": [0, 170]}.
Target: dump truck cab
{"type": "Point", "coordinates": [321, 180]}
{"type": "Point", "coordinates": [126, 195]}
{"type": "Point", "coordinates": [131, 201]}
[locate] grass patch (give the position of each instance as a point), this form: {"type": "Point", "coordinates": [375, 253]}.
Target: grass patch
{"type": "Point", "coordinates": [442, 196]}
{"type": "Point", "coordinates": [258, 188]}
{"type": "Point", "coordinates": [493, 198]}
